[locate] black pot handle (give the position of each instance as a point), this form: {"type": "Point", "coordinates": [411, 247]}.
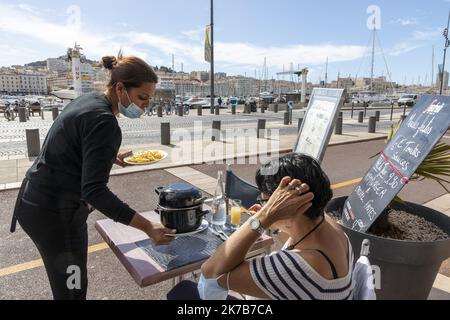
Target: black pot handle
{"type": "Point", "coordinates": [158, 211]}
{"type": "Point", "coordinates": [200, 201]}
{"type": "Point", "coordinates": [158, 190]}
{"type": "Point", "coordinates": [204, 213]}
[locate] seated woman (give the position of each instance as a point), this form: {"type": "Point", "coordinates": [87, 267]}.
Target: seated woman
{"type": "Point", "coordinates": [316, 262]}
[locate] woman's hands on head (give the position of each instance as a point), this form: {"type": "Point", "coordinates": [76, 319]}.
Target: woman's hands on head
{"type": "Point", "coordinates": [291, 198]}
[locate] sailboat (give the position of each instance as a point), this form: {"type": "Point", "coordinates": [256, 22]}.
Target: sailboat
{"type": "Point", "coordinates": [371, 94]}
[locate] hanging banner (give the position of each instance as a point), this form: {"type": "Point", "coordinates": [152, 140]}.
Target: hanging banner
{"type": "Point", "coordinates": [208, 44]}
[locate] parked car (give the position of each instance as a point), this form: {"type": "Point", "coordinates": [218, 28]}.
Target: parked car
{"type": "Point", "coordinates": [384, 101]}
{"type": "Point", "coordinates": [408, 100]}
{"type": "Point", "coordinates": [357, 100]}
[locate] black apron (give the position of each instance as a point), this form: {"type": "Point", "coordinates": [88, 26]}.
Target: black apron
{"type": "Point", "coordinates": [16, 207]}
{"type": "Point", "coordinates": [82, 212]}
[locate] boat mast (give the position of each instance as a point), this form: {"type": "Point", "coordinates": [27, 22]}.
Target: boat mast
{"type": "Point", "coordinates": [212, 58]}
{"type": "Point", "coordinates": [432, 68]}
{"type": "Point", "coordinates": [326, 74]}
{"type": "Point", "coordinates": [373, 54]}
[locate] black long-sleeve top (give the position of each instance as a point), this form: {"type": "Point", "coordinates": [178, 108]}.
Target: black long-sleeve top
{"type": "Point", "coordinates": [78, 154]}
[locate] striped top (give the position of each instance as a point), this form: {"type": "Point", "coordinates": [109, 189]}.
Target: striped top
{"type": "Point", "coordinates": [285, 275]}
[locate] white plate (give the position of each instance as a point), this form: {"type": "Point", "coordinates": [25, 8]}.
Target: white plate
{"type": "Point", "coordinates": [164, 155]}
{"type": "Point", "coordinates": [203, 227]}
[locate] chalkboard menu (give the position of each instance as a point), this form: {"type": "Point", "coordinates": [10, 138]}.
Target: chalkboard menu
{"type": "Point", "coordinates": [417, 136]}
{"type": "Point", "coordinates": [319, 122]}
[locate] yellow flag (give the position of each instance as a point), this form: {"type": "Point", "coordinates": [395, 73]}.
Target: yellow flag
{"type": "Point", "coordinates": [208, 44]}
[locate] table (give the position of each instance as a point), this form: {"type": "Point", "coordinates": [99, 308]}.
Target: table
{"type": "Point", "coordinates": [144, 270]}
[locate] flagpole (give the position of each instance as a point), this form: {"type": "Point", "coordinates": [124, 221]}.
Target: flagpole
{"type": "Point", "coordinates": [212, 59]}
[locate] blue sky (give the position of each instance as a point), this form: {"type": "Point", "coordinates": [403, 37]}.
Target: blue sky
{"type": "Point", "coordinates": [301, 32]}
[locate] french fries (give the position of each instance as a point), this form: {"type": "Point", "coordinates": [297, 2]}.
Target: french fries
{"type": "Point", "coordinates": [146, 157]}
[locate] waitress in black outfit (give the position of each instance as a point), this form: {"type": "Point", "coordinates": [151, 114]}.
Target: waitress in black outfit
{"type": "Point", "coordinates": [70, 176]}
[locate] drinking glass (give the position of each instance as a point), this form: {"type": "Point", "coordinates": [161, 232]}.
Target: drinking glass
{"type": "Point", "coordinates": [236, 213]}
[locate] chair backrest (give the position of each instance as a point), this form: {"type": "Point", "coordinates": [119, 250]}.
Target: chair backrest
{"type": "Point", "coordinates": [363, 276]}
{"type": "Point", "coordinates": [237, 188]}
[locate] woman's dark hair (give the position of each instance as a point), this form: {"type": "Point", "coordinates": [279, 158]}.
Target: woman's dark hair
{"type": "Point", "coordinates": [131, 71]}
{"type": "Point", "coordinates": [302, 167]}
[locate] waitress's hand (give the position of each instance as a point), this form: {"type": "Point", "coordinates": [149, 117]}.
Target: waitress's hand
{"type": "Point", "coordinates": [122, 155]}
{"type": "Point", "coordinates": [157, 233]}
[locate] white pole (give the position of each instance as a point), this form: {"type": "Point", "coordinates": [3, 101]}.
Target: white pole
{"type": "Point", "coordinates": [304, 82]}
{"type": "Point", "coordinates": [76, 72]}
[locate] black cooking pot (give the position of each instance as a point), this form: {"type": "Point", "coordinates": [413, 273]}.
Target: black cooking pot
{"type": "Point", "coordinates": [183, 220]}
{"type": "Point", "coordinates": [180, 195]}
{"type": "Point", "coordinates": [181, 207]}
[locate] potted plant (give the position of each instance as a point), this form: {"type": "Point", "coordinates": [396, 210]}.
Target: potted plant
{"type": "Point", "coordinates": [409, 242]}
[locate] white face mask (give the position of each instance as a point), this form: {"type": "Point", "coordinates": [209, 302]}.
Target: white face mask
{"type": "Point", "coordinates": [132, 111]}
{"type": "Point", "coordinates": [209, 289]}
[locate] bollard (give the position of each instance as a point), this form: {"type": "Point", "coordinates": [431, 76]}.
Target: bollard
{"type": "Point", "coordinates": [353, 108]}
{"type": "Point", "coordinates": [261, 128]}
{"type": "Point", "coordinates": [42, 114]}
{"type": "Point", "coordinates": [275, 108]}
{"type": "Point", "coordinates": [180, 111]}
{"type": "Point", "coordinates": [361, 117]}
{"type": "Point", "coordinates": [372, 124]}
{"type": "Point", "coordinates": [339, 125]}
{"type": "Point", "coordinates": [216, 131]}
{"type": "Point", "coordinates": [233, 109]}
{"type": "Point", "coordinates": [165, 134]}
{"type": "Point", "coordinates": [366, 105]}
{"type": "Point", "coordinates": [199, 111]}
{"type": "Point", "coordinates": [33, 142]}
{"type": "Point", "coordinates": [300, 123]}
{"type": "Point", "coordinates": [55, 113]}
{"type": "Point", "coordinates": [378, 115]}
{"type": "Point", "coordinates": [392, 111]}
{"type": "Point", "coordinates": [263, 110]}
{"type": "Point", "coordinates": [211, 109]}
{"type": "Point", "coordinates": [22, 114]}
{"type": "Point", "coordinates": [404, 110]}
{"type": "Point", "coordinates": [160, 111]}
{"type": "Point", "coordinates": [286, 118]}
{"type": "Point", "coordinates": [217, 110]}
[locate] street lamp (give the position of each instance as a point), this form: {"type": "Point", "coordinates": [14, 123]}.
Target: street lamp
{"type": "Point", "coordinates": [447, 44]}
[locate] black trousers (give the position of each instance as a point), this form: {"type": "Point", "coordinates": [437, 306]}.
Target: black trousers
{"type": "Point", "coordinates": [60, 235]}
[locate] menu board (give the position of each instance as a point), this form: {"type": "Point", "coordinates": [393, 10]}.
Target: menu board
{"type": "Point", "coordinates": [419, 133]}
{"type": "Point", "coordinates": [319, 122]}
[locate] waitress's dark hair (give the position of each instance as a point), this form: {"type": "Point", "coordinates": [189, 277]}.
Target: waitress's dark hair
{"type": "Point", "coordinates": [304, 168]}
{"type": "Point", "coordinates": [131, 71]}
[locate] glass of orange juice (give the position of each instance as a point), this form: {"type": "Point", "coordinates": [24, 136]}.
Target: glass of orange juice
{"type": "Point", "coordinates": [236, 212]}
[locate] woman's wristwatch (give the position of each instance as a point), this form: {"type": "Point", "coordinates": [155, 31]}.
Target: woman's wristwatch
{"type": "Point", "coordinates": [256, 226]}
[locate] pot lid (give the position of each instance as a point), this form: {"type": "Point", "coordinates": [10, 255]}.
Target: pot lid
{"type": "Point", "coordinates": [183, 190]}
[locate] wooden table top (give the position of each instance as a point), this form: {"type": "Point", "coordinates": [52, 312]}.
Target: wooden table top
{"type": "Point", "coordinates": [144, 270]}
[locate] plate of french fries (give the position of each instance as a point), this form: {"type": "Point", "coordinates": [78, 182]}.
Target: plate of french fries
{"type": "Point", "coordinates": [145, 157]}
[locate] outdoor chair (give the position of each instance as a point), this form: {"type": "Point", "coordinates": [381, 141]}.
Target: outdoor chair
{"type": "Point", "coordinates": [239, 189]}
{"type": "Point", "coordinates": [363, 275]}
